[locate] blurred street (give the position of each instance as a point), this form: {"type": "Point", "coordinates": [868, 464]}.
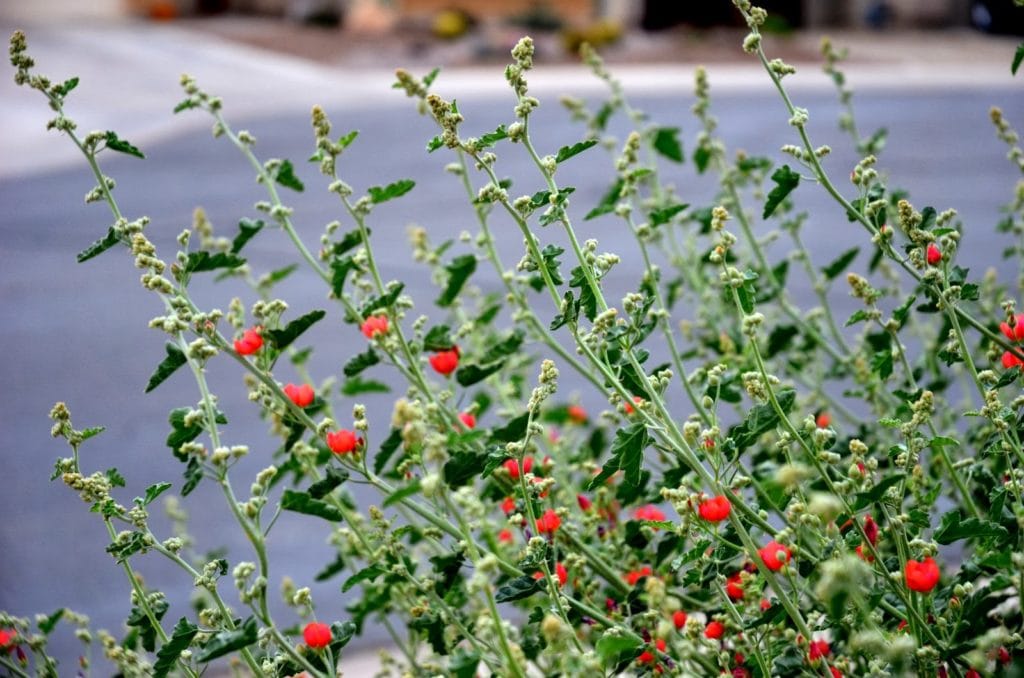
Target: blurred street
{"type": "Point", "coordinates": [78, 332]}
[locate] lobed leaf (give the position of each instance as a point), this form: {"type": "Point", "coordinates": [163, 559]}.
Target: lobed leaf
{"type": "Point", "coordinates": [282, 338]}
{"type": "Point", "coordinates": [303, 502]}
{"type": "Point", "coordinates": [786, 180]}
{"type": "Point", "coordinates": [566, 152]}
{"type": "Point", "coordinates": [379, 194]}
{"type": "Point", "coordinates": [175, 359]}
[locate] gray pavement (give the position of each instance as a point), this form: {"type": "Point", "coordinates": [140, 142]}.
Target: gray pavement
{"type": "Point", "coordinates": [77, 332]}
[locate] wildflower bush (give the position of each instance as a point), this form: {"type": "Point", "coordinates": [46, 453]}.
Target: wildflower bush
{"type": "Point", "coordinates": [766, 492]}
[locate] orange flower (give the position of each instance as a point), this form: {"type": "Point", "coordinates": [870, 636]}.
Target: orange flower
{"type": "Point", "coordinates": [648, 657]}
{"type": "Point", "coordinates": [577, 414]}
{"type": "Point", "coordinates": [649, 512]}
{"type": "Point", "coordinates": [922, 576]}
{"type": "Point", "coordinates": [770, 555]}
{"type": "Point", "coordinates": [716, 509]}
{"type": "Point", "coordinates": [734, 587]}
{"type": "Point", "coordinates": [1014, 332]}
{"type": "Point", "coordinates": [633, 576]}
{"type": "Point", "coordinates": [445, 362]}
{"type": "Point", "coordinates": [549, 522]}
{"type": "Point", "coordinates": [714, 630]}
{"type": "Point", "coordinates": [302, 396]}
{"type": "Point", "coordinates": [342, 442]}
{"type": "Point", "coordinates": [317, 635]}
{"type": "Point", "coordinates": [512, 466]}
{"type": "Point", "coordinates": [679, 619]}
{"type": "Point", "coordinates": [374, 325]}
{"type": "Point", "coordinates": [250, 342]}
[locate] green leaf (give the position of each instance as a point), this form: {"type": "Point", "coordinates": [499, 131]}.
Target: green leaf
{"type": "Point", "coordinates": [839, 264]}
{"type": "Point", "coordinates": [123, 549]}
{"type": "Point", "coordinates": [115, 143]}
{"type": "Point", "coordinates": [202, 261]}
{"type": "Point", "coordinates": [360, 362]}
{"type": "Point", "coordinates": [341, 632]}
{"type": "Point", "coordinates": [430, 77]}
{"type": "Point", "coordinates": [467, 375]}
{"type": "Point", "coordinates": [627, 455]}
{"type": "Point", "coordinates": [956, 526]}
{"type": "Point", "coordinates": [283, 337]}
{"type": "Point", "coordinates": [227, 642]}
{"type": "Point", "coordinates": [747, 292]}
{"type": "Point", "coordinates": [398, 188]}
{"type": "Point", "coordinates": [401, 493]}
{"type": "Point", "coordinates": [168, 655]}
{"type": "Point", "coordinates": [114, 477]}
{"type": "Point", "coordinates": [517, 589]}
{"type": "Point", "coordinates": [566, 152]}
{"type": "Point", "coordinates": [185, 104]}
{"type": "Point", "coordinates": [881, 363]}
{"type": "Point", "coordinates": [180, 433]}
{"type": "Point", "coordinates": [860, 315]}
{"type": "Point", "coordinates": [48, 624]}
{"type": "Point", "coordinates": [492, 138]}
{"type": "Point", "coordinates": [154, 491]}
{"type": "Point", "coordinates": [387, 449]}
{"type": "Point", "coordinates": [433, 627]}
{"type": "Point", "coordinates": [503, 348]}
{"type": "Point", "coordinates": [613, 649]}
{"type": "Point", "coordinates": [285, 175]}
{"type": "Point", "coordinates": [434, 144]}
{"type": "Point", "coordinates": [785, 181]}
{"type": "Point", "coordinates": [459, 269]}
{"type": "Point", "coordinates": [900, 314]}
{"type": "Point", "coordinates": [461, 467]}
{"type": "Point", "coordinates": [513, 430]}
{"type": "Point", "coordinates": [175, 359]}
{"type": "Point", "coordinates": [324, 486]}
{"type": "Point", "coordinates": [331, 569]}
{"type": "Point", "coordinates": [608, 202]}
{"type": "Point", "coordinates": [666, 142]}
{"type": "Point", "coordinates": [1018, 56]}
{"type": "Point", "coordinates": [588, 300]}
{"type": "Point", "coordinates": [348, 241]}
{"type": "Point", "coordinates": [99, 247]}
{"type": "Point", "coordinates": [92, 431]}
{"type": "Point", "coordinates": [875, 494]}
{"type": "Point", "coordinates": [761, 419]}
{"type": "Point", "coordinates": [701, 158]}
{"type": "Point", "coordinates": [278, 275]}
{"type": "Point", "coordinates": [780, 339]}
{"type": "Point", "coordinates": [438, 338]}
{"type": "Point", "coordinates": [1008, 377]}
{"type": "Point", "coordinates": [340, 267]}
{"type": "Point", "coordinates": [384, 301]}
{"type": "Point", "coordinates": [65, 87]}
{"type": "Point", "coordinates": [366, 574]}
{"type": "Point", "coordinates": [302, 502]}
{"type": "Point", "coordinates": [359, 386]}
{"type": "Point", "coordinates": [665, 214]}
{"type": "Point", "coordinates": [247, 228]}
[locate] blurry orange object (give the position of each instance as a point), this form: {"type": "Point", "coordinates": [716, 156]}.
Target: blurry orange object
{"type": "Point", "coordinates": [163, 10]}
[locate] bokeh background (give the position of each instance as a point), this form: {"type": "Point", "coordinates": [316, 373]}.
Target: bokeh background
{"type": "Point", "coordinates": [926, 70]}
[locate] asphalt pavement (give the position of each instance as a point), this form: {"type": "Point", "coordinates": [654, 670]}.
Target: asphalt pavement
{"type": "Point", "coordinates": [78, 332]}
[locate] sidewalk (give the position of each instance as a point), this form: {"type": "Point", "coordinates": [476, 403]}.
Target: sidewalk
{"type": "Point", "coordinates": [129, 71]}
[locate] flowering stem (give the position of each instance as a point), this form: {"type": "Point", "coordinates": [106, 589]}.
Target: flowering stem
{"type": "Point", "coordinates": [214, 593]}
{"type": "Point", "coordinates": [143, 602]}
{"type": "Point", "coordinates": [738, 620]}
{"type": "Point", "coordinates": [826, 183]}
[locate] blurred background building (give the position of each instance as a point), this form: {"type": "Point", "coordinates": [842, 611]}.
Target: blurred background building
{"type": "Point", "coordinates": [451, 18]}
